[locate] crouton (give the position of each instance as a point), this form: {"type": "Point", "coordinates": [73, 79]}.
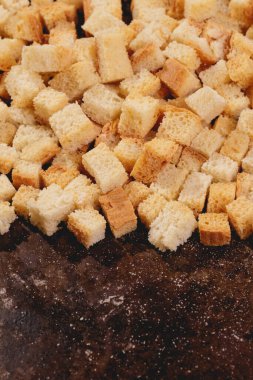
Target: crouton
{"type": "Point", "coordinates": [29, 134]}
{"type": "Point", "coordinates": [8, 157]}
{"type": "Point", "coordinates": [240, 70]}
{"type": "Point", "coordinates": [10, 52]}
{"type": "Point", "coordinates": [113, 7]}
{"type": "Point", "coordinates": [149, 57]}
{"type": "Point", "coordinates": [85, 49]}
{"type": "Point", "coordinates": [7, 190]}
{"type": "Point", "coordinates": [240, 214]}
{"type": "Point", "coordinates": [41, 151]}
{"type": "Point", "coordinates": [64, 34]}
{"type": "Point", "coordinates": [200, 10]}
{"type": "Point", "coordinates": [184, 54]}
{"type": "Point", "coordinates": [235, 99]}
{"type": "Point", "coordinates": [7, 217]}
{"type": "Point", "coordinates": [137, 6]}
{"type": "Point", "coordinates": [242, 11]}
{"type": "Point", "coordinates": [109, 135]}
{"type": "Point", "coordinates": [214, 229]}
{"type": "Point", "coordinates": [244, 184]}
{"type": "Point", "coordinates": [19, 116]}
{"type": "Point", "coordinates": [26, 173]}
{"type": "Point", "coordinates": [143, 83]}
{"type": "Point", "coordinates": [148, 14]}
{"type": "Point", "coordinates": [47, 102]}
{"type": "Point", "coordinates": [150, 208]}
{"type": "Point", "coordinates": [245, 122]}
{"type": "Point", "coordinates": [72, 127]}
{"type": "Point", "coordinates": [84, 192]}
{"type": "Point", "coordinates": [59, 175]}
{"type": "Point", "coordinates": [249, 33]}
{"type": "Point", "coordinates": [220, 195]}
{"type": "Point", "coordinates": [222, 168]}
{"type": "Point", "coordinates": [215, 75]}
{"type": "Point", "coordinates": [137, 192]}
{"type": "Point", "coordinates": [224, 125]}
{"type": "Point", "coordinates": [21, 199]}
{"type": "Point", "coordinates": [15, 5]}
{"type": "Point", "coordinates": [191, 160]}
{"type": "Point", "coordinates": [119, 212]}
{"type": "Point", "coordinates": [4, 15]}
{"type": "Point", "coordinates": [247, 162]}
{"type": "Point", "coordinates": [127, 151]}
{"type": "Point", "coordinates": [7, 132]}
{"type": "Point", "coordinates": [236, 146]}
{"type": "Point", "coordinates": [57, 12]}
{"type": "Point", "coordinates": [207, 142]}
{"type": "Point", "coordinates": [240, 44]}
{"type": "Point", "coordinates": [68, 159]}
{"type": "Point", "coordinates": [4, 112]}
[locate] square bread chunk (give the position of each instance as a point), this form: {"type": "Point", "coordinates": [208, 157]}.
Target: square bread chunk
{"type": "Point", "coordinates": [137, 192]}
{"type": "Point", "coordinates": [7, 190]}
{"type": "Point", "coordinates": [52, 207]}
{"type": "Point", "coordinates": [200, 10]}
{"type": "Point", "coordinates": [69, 159]}
{"type": "Point", "coordinates": [240, 69]}
{"type": "Point", "coordinates": [191, 160]}
{"type": "Point", "coordinates": [195, 191]}
{"type": "Point", "coordinates": [119, 212]}
{"type": "Point", "coordinates": [114, 63]}
{"type": "Point", "coordinates": [64, 34]}
{"type": "Point", "coordinates": [236, 146]}
{"type": "Point", "coordinates": [207, 142]}
{"type": "Point", "coordinates": [215, 75]}
{"type": "Point", "coordinates": [11, 50]}
{"type": "Point", "coordinates": [214, 229]}
{"type": "Point", "coordinates": [235, 99]}
{"type": "Point", "coordinates": [247, 162]}
{"type": "Point", "coordinates": [7, 217]}
{"type": "Point", "coordinates": [220, 195]}
{"type": "Point", "coordinates": [138, 117]}
{"type": "Point", "coordinates": [21, 199]}
{"type": "Point", "coordinates": [184, 54]}
{"type": "Point", "coordinates": [245, 122]}
{"type": "Point", "coordinates": [73, 128]}
{"type": "Point", "coordinates": [206, 103]}
{"type": "Point", "coordinates": [112, 7]}
{"type": "Point", "coordinates": [60, 175]}
{"type": "Point", "coordinates": [47, 102]}
{"type": "Point", "coordinates": [105, 167]}
{"type": "Point", "coordinates": [225, 124]}
{"type": "Point", "coordinates": [150, 208]}
{"type": "Point", "coordinates": [128, 151]}
{"type": "Point", "coordinates": [19, 116]}
{"type": "Point", "coordinates": [150, 57]}
{"type": "Point", "coordinates": [143, 83]}
{"type": "Point", "coordinates": [8, 157]}
{"type": "Point", "coordinates": [85, 49]}
{"type": "Point", "coordinates": [221, 168]}
{"type": "Point", "coordinates": [7, 132]}
{"type": "Point", "coordinates": [244, 184]}
{"type": "Point", "coordinates": [41, 151]}
{"type": "Point", "coordinates": [30, 134]}
{"type": "Point", "coordinates": [88, 226]}
{"type": "Point", "coordinates": [240, 214]}
{"type": "Point", "coordinates": [56, 12]}
{"type": "Point", "coordinates": [173, 226]}
{"type": "Point", "coordinates": [84, 192]}
{"type": "Point", "coordinates": [26, 173]}
{"type": "Point", "coordinates": [242, 11]}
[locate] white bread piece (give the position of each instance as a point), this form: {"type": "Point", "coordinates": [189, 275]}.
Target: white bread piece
{"type": "Point", "coordinates": [240, 70]}
{"type": "Point", "coordinates": [29, 134]}
{"type": "Point", "coordinates": [109, 135]}
{"type": "Point", "coordinates": [169, 181]}
{"type": "Point", "coordinates": [101, 104]}
{"type": "Point", "coordinates": [143, 83]}
{"type": "Point", "coordinates": [245, 122]}
{"type": "Point", "coordinates": [4, 112]}
{"type": "Point", "coordinates": [84, 192]}
{"type": "Point", "coordinates": [225, 124]}
{"type": "Point", "coordinates": [191, 160]}
{"type": "Point", "coordinates": [42, 151]}
{"type": "Point", "coordinates": [214, 229]}
{"type": "Point", "coordinates": [236, 100]}
{"type": "Point", "coordinates": [87, 225]}
{"type": "Point", "coordinates": [114, 62]}
{"type": "Point", "coordinates": [184, 54]}
{"type": "Point", "coordinates": [60, 175]}
{"type": "Point", "coordinates": [113, 7]}
{"type": "Point", "coordinates": [47, 102]}
{"type": "Point", "coordinates": [137, 6]}
{"type": "Point", "coordinates": [21, 199]}
{"type": "Point", "coordinates": [64, 34]}
{"type": "Point", "coordinates": [200, 10]}
{"type": "Point", "coordinates": [105, 167]}
{"type": "Point", "coordinates": [240, 214]}
{"type": "Point", "coordinates": [242, 11]}
{"type": "Point", "coordinates": [150, 57]}
{"type": "Point", "coordinates": [73, 128]}
{"type": "Point", "coordinates": [206, 103]}
{"type": "Point", "coordinates": [128, 151]}
{"type": "Point", "coordinates": [14, 5]}
{"type": "Point", "coordinates": [220, 195]}
{"type": "Point", "coordinates": [195, 191]}
{"type": "Point", "coordinates": [7, 132]}
{"type": "Point", "coordinates": [20, 116]}
{"type": "Point", "coordinates": [137, 192]}
{"type": "Point", "coordinates": [207, 142]}
{"type": "Point", "coordinates": [217, 31]}
{"type": "Point", "coordinates": [244, 184]}
{"type": "Point", "coordinates": [150, 208]}
{"type": "Point", "coordinates": [8, 157]}
{"type": "Point", "coordinates": [7, 190]}
{"type": "Point", "coordinates": [7, 216]}
{"type": "Point", "coordinates": [51, 208]}
{"type": "Point", "coordinates": [149, 14]}
{"type": "Point", "coordinates": [26, 173]}
{"type": "Point", "coordinates": [215, 75]}
{"type": "Point", "coordinates": [85, 49]}
{"type": "Point", "coordinates": [56, 12]}
{"type": "Point", "coordinates": [236, 146]}
{"type": "Point", "coordinates": [173, 227]}
{"type": "Point", "coordinates": [138, 117]}
{"type": "Point", "coordinates": [76, 79]}
{"type": "Point", "coordinates": [247, 162]}
{"type": "Point", "coordinates": [68, 159]}
{"type": "Point", "coordinates": [23, 85]}
{"type": "Point", "coordinates": [11, 50]}
{"type": "Point", "coordinates": [222, 168]}
{"type": "Point", "coordinates": [180, 125]}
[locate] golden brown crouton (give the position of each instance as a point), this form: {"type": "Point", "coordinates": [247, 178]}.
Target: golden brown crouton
{"type": "Point", "coordinates": [214, 229]}
{"type": "Point", "coordinates": [240, 214]}
{"type": "Point", "coordinates": [220, 195]}
{"type": "Point", "coordinates": [60, 175]}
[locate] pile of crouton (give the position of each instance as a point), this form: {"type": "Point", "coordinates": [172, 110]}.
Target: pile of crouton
{"type": "Point", "coordinates": [151, 119]}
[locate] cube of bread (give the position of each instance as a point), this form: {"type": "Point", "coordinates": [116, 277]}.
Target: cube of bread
{"type": "Point", "coordinates": [220, 195]}
{"type": "Point", "coordinates": [85, 193]}
{"type": "Point", "coordinates": [222, 168]}
{"type": "Point", "coordinates": [173, 227]}
{"type": "Point", "coordinates": [180, 81]}
{"type": "Point", "coordinates": [7, 217]}
{"type": "Point", "coordinates": [4, 15]}
{"type": "Point", "coordinates": [240, 44]}
{"type": "Point", "coordinates": [150, 208]}
{"type": "Point", "coordinates": [240, 214]}
{"type": "Point", "coordinates": [105, 167]}
{"type": "Point", "coordinates": [26, 173]}
{"type": "Point", "coordinates": [85, 49]}
{"type": "Point", "coordinates": [11, 50]}
{"type": "Point", "coordinates": [149, 57]}
{"type": "Point", "coordinates": [247, 162]}
{"type": "Point", "coordinates": [7, 190]}
{"type": "Point", "coordinates": [68, 159]}
{"type": "Point", "coordinates": [101, 104]}
{"type": "Point", "coordinates": [224, 125]}
{"type": "Point", "coordinates": [21, 199]}
{"type": "Point", "coordinates": [137, 192]}
{"type": "Point", "coordinates": [214, 229]}
{"type": "Point", "coordinates": [114, 63]}
{"type": "Point", "coordinates": [47, 102]}
{"type": "Point", "coordinates": [154, 155]}
{"type": "Point", "coordinates": [76, 79]}
{"type": "Point", "coordinates": [240, 70]}
{"type": "Point", "coordinates": [119, 212]}
{"type": "Point", "coordinates": [7, 132]}
{"type": "Point", "coordinates": [200, 10]}
{"type": "Point", "coordinates": [51, 207]}
{"type": "Point", "coordinates": [206, 103]}
{"type": "Point", "coordinates": [169, 181]}
{"type": "Point", "coordinates": [23, 85]}
{"type": "Point", "coordinates": [72, 127]}
{"type": "Point", "coordinates": [180, 125]}
{"type": "Point", "coordinates": [184, 54]}
{"type": "Point", "coordinates": [191, 160]}
{"type": "Point", "coordinates": [236, 146]}
{"type": "Point", "coordinates": [4, 112]}
{"type": "Point", "coordinates": [215, 75]}
{"type": "Point", "coordinates": [29, 134]}
{"type": "Point", "coordinates": [236, 101]}
{"type": "Point", "coordinates": [128, 151]}
{"type": "Point", "coordinates": [56, 12]}
{"type": "Point", "coordinates": [19, 116]}
{"type": "Point", "coordinates": [64, 34]}
{"type": "Point", "coordinates": [41, 151]}
{"type": "Point", "coordinates": [138, 117]}
{"type": "Point", "coordinates": [8, 157]}
{"type": "Point", "coordinates": [112, 7]}
{"type": "Point", "coordinates": [88, 226]}
{"type": "Point", "coordinates": [207, 142]}
{"type": "Point", "coordinates": [195, 190]}
{"type": "Point", "coordinates": [59, 175]}
{"type": "Point", "coordinates": [244, 184]}
{"type": "Point", "coordinates": [245, 122]}
{"type": "Point", "coordinates": [242, 11]}
{"type": "Point", "coordinates": [137, 6]}
{"type": "Point", "coordinates": [143, 83]}
{"type": "Point", "coordinates": [109, 135]}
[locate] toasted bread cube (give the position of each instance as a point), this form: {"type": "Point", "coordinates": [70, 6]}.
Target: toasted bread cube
{"type": "Point", "coordinates": [195, 191]}
{"type": "Point", "coordinates": [247, 162]}
{"type": "Point", "coordinates": [191, 160]}
{"type": "Point", "coordinates": [64, 34]}
{"type": "Point", "coordinates": [244, 184]}
{"type": "Point", "coordinates": [240, 70]}
{"type": "Point", "coordinates": [42, 151]}
{"type": "Point", "coordinates": [143, 83]}
{"type": "Point", "coordinates": [220, 195]}
{"type": "Point", "coordinates": [222, 168]}
{"type": "Point", "coordinates": [180, 125]}
{"type": "Point", "coordinates": [169, 181]}
{"type": "Point", "coordinates": [26, 173]}
{"type": "Point", "coordinates": [85, 49]}
{"type": "Point", "coordinates": [200, 10]}
{"type": "Point", "coordinates": [85, 193]}
{"type": "Point", "coordinates": [4, 112]}
{"type": "Point", "coordinates": [180, 81]}
{"type": "Point", "coordinates": [245, 122]}
{"type": "Point", "coordinates": [29, 134]}
{"type": "Point", "coordinates": [59, 175]}
{"type": "Point", "coordinates": [154, 155]}
{"type": "Point", "coordinates": [4, 15]}
{"type": "Point", "coordinates": [240, 214]}
{"type": "Point", "coordinates": [56, 12]}
{"type": "Point", "coordinates": [23, 85]}
{"type": "Point", "coordinates": [76, 79]}
{"type": "Point", "coordinates": [236, 146]}
{"type": "Point", "coordinates": [88, 226]}
{"type": "Point", "coordinates": [7, 190]}
{"type": "Point", "coordinates": [51, 207]}
{"type": "Point", "coordinates": [47, 102]}
{"type": "Point", "coordinates": [236, 101]}
{"type": "Point", "coordinates": [128, 151]}
{"type": "Point", "coordinates": [207, 142]}
{"type": "Point", "coordinates": [206, 103]}
{"type": "Point", "coordinates": [19, 116]}
{"type": "Point", "coordinates": [8, 157]}
{"type": "Point", "coordinates": [7, 132]}
{"type": "Point", "coordinates": [138, 117]}
{"type": "Point", "coordinates": [150, 57]}
{"type": "Point", "coordinates": [215, 75]}
{"type": "Point", "coordinates": [184, 54]}
{"type": "Point", "coordinates": [137, 6]}
{"type": "Point", "coordinates": [109, 135]}
{"type": "Point", "coordinates": [68, 159]}
{"type": "Point", "coordinates": [173, 227]}
{"type": "Point", "coordinates": [214, 229]}
{"type": "Point", "coordinates": [7, 217]}
{"type": "Point", "coordinates": [11, 50]}
{"type": "Point", "coordinates": [105, 167]}
{"type": "Point", "coordinates": [249, 33]}
{"type": "Point", "coordinates": [73, 128]}
{"type": "Point", "coordinates": [112, 7]}
{"type": "Point", "coordinates": [21, 199]}
{"type": "Point", "coordinates": [150, 208]}
{"type": "Point", "coordinates": [137, 192]}
{"type": "Point", "coordinates": [224, 125]}
{"type": "Point", "coordinates": [242, 11]}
